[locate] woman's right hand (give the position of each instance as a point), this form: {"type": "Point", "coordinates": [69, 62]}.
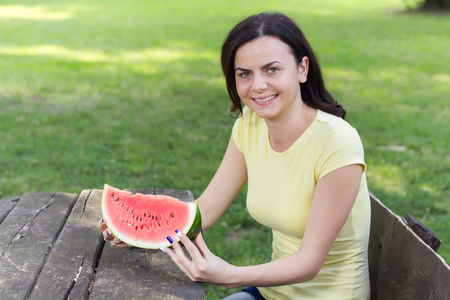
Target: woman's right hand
{"type": "Point", "coordinates": [109, 237]}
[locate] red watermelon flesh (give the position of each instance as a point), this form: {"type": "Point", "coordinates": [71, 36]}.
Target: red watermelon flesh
{"type": "Point", "coordinates": [145, 221]}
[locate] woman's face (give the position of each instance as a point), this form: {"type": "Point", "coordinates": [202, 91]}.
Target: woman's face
{"type": "Point", "coordinates": [268, 76]}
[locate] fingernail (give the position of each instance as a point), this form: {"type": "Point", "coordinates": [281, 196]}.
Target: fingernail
{"type": "Point", "coordinates": [103, 221]}
{"type": "Point", "coordinates": [178, 233]}
{"type": "Point", "coordinates": [107, 232]}
{"type": "Point", "coordinates": [170, 239]}
{"type": "Point", "coordinates": [201, 230]}
{"type": "Point", "coordinates": [163, 250]}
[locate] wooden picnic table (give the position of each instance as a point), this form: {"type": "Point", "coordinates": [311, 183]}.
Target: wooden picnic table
{"type": "Point", "coordinates": [51, 248]}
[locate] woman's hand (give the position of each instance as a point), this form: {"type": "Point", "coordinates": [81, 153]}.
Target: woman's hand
{"type": "Point", "coordinates": [109, 237]}
{"type": "Point", "coordinates": [203, 266]}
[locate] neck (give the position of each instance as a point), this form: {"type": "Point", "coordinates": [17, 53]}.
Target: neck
{"type": "Point", "coordinates": [283, 132]}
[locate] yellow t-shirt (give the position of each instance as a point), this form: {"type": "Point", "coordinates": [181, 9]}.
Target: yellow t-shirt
{"type": "Point", "coordinates": [280, 192]}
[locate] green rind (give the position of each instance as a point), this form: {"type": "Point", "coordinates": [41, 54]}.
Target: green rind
{"type": "Point", "coordinates": [195, 229]}
{"type": "Point", "coordinates": [196, 225]}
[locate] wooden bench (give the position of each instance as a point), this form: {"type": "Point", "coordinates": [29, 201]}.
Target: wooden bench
{"type": "Point", "coordinates": [403, 265]}
{"type": "Point", "coordinates": [51, 248]}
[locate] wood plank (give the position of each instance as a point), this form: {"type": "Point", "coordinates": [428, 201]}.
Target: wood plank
{"type": "Point", "coordinates": [70, 268]}
{"type": "Point", "coordinates": [401, 265]}
{"type": "Point", "coordinates": [6, 205]}
{"type": "Point", "coordinates": [427, 235]}
{"type": "Point", "coordinates": [143, 273]}
{"type": "Point", "coordinates": [27, 235]}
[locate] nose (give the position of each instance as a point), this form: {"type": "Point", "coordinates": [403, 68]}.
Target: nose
{"type": "Point", "coordinates": [259, 83]}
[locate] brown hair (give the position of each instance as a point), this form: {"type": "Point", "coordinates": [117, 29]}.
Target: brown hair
{"type": "Point", "coordinates": [313, 91]}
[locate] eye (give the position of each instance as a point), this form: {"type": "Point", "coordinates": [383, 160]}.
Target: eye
{"type": "Point", "coordinates": [272, 70]}
{"type": "Point", "coordinates": [244, 74]}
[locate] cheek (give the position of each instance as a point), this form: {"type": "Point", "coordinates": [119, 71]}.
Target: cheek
{"type": "Point", "coordinates": [241, 88]}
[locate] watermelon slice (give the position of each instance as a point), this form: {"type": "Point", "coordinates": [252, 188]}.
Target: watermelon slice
{"type": "Point", "coordinates": [145, 221]}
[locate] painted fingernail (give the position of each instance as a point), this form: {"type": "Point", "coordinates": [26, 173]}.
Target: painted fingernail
{"type": "Point", "coordinates": [178, 233]}
{"type": "Point", "coordinates": [163, 250]}
{"type": "Point", "coordinates": [170, 239]}
{"type": "Point", "coordinates": [201, 230]}
{"type": "Point", "coordinates": [103, 221]}
{"type": "Point", "coordinates": [107, 232]}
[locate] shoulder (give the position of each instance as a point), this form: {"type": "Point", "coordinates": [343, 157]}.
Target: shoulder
{"type": "Point", "coordinates": [340, 143]}
{"type": "Point", "coordinates": [247, 127]}
{"type": "Point", "coordinates": [330, 126]}
{"type": "Point", "coordinates": [330, 121]}
{"type": "Point", "coordinates": [248, 119]}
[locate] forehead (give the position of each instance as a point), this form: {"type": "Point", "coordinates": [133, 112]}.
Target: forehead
{"type": "Point", "coordinates": [263, 49]}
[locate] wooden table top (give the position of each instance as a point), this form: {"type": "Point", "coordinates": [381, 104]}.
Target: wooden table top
{"type": "Point", "coordinates": [51, 248]}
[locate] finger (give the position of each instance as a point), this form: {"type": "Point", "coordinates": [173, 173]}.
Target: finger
{"type": "Point", "coordinates": [119, 244]}
{"type": "Point", "coordinates": [181, 258]}
{"type": "Point", "coordinates": [102, 225]}
{"type": "Point", "coordinates": [173, 255]}
{"type": "Point", "coordinates": [174, 241]}
{"type": "Point", "coordinates": [201, 245]}
{"type": "Point", "coordinates": [108, 236]}
{"type": "Point", "coordinates": [189, 245]}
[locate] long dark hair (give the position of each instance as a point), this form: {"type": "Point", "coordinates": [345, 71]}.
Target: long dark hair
{"type": "Point", "coordinates": [313, 91]}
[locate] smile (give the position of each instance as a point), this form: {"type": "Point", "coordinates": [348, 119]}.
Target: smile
{"type": "Point", "coordinates": [265, 99]}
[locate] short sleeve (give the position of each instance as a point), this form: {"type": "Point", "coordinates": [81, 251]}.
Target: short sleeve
{"type": "Point", "coordinates": [342, 147]}
{"type": "Point", "coordinates": [238, 134]}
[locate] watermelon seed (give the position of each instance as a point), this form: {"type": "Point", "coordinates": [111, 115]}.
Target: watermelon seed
{"type": "Point", "coordinates": [137, 227]}
{"type": "Point", "coordinates": [142, 226]}
{"type": "Point", "coordinates": [145, 214]}
{"type": "Point", "coordinates": [172, 215]}
{"type": "Point", "coordinates": [159, 224]}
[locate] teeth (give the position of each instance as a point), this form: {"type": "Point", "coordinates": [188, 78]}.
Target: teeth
{"type": "Point", "coordinates": [266, 99]}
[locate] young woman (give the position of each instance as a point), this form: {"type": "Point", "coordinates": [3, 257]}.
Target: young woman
{"type": "Point", "coordinates": [305, 171]}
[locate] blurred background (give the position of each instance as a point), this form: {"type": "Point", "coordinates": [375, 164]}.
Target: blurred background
{"type": "Point", "coordinates": [130, 93]}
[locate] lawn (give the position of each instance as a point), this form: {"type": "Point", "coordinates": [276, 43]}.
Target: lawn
{"type": "Point", "coordinates": [131, 93]}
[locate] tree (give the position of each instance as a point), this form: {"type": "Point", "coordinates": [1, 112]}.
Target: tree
{"type": "Point", "coordinates": [435, 5]}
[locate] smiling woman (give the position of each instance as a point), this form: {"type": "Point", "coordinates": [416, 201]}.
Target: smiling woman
{"type": "Point", "coordinates": [155, 111]}
{"type": "Point", "coordinates": [305, 172]}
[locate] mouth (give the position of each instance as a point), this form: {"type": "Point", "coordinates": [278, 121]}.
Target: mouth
{"type": "Point", "coordinates": [267, 99]}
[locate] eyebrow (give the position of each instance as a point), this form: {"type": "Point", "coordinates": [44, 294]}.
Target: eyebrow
{"type": "Point", "coordinates": [262, 68]}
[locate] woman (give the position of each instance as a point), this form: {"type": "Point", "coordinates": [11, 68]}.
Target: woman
{"type": "Point", "coordinates": [305, 171]}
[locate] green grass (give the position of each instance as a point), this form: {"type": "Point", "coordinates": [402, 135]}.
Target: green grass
{"type": "Point", "coordinates": [131, 93]}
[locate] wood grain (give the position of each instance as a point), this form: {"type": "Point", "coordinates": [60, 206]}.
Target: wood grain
{"type": "Point", "coordinates": [27, 235]}
{"type": "Point", "coordinates": [401, 265]}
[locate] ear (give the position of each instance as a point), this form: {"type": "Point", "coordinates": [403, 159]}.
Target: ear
{"type": "Point", "coordinates": [303, 68]}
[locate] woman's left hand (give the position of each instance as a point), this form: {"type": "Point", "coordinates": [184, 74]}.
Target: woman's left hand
{"type": "Point", "coordinates": [203, 266]}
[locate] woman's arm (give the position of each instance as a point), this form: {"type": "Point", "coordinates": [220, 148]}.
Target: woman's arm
{"type": "Point", "coordinates": [224, 187]}
{"type": "Point", "coordinates": [333, 200]}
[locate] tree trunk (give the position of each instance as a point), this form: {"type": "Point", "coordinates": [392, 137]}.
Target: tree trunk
{"type": "Point", "coordinates": [436, 4]}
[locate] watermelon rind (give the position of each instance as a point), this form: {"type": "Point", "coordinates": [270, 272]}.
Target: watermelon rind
{"type": "Point", "coordinates": [192, 229]}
